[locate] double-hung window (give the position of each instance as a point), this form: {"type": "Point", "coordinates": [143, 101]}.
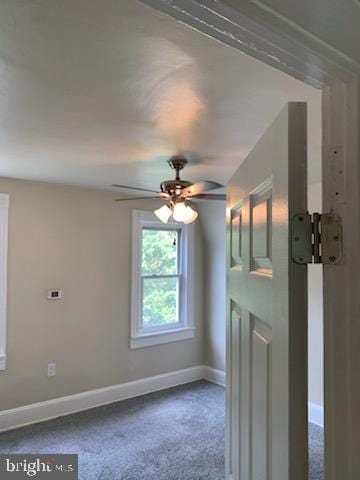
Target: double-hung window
{"type": "Point", "coordinates": [162, 283]}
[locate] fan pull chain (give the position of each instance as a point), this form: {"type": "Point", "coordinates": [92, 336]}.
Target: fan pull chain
{"type": "Point", "coordinates": [174, 231]}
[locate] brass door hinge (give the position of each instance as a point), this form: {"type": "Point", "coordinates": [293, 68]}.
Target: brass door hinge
{"type": "Point", "coordinates": [316, 238]}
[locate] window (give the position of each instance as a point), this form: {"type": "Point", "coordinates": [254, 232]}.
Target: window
{"type": "Point", "coordinates": [162, 283]}
{"type": "Point", "coordinates": [4, 209]}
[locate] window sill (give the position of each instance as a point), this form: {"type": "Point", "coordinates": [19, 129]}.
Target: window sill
{"type": "Point", "coordinates": [158, 338]}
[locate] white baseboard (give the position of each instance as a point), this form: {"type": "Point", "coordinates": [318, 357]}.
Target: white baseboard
{"type": "Point", "coordinates": [215, 376]}
{"type": "Point", "coordinates": [58, 407]}
{"type": "Point", "coordinates": [316, 414]}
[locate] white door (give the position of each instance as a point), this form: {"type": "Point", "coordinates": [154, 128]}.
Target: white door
{"type": "Point", "coordinates": [267, 308]}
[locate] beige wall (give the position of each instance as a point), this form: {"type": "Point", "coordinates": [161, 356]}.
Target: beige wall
{"type": "Point", "coordinates": [80, 241]}
{"type": "Point", "coordinates": [77, 240]}
{"type": "Point", "coordinates": [213, 222]}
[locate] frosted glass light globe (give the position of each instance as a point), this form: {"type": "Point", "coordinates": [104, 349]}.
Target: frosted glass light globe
{"type": "Point", "coordinates": [163, 213]}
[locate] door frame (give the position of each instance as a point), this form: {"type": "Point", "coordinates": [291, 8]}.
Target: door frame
{"type": "Point", "coordinates": [341, 187]}
{"type": "Point", "coordinates": [260, 31]}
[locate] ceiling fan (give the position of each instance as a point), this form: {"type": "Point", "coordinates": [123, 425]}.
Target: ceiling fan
{"type": "Point", "coordinates": [177, 194]}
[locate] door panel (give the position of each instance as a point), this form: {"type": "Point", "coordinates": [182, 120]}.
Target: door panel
{"type": "Point", "coordinates": [267, 308]}
{"type": "Point", "coordinates": [260, 372]}
{"type": "Point", "coordinates": [235, 327]}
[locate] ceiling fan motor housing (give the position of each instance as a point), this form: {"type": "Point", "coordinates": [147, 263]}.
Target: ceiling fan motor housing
{"type": "Point", "coordinates": [177, 162]}
{"type": "Point", "coordinates": [175, 187]}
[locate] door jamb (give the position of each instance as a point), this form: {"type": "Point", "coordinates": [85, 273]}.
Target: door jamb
{"type": "Point", "coordinates": [341, 188]}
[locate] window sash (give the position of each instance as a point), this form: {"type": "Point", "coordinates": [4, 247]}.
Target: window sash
{"type": "Point", "coordinates": [178, 249]}
{"type": "Point", "coordinates": [143, 329]}
{"type": "Point", "coordinates": [165, 326]}
{"type": "Point", "coordinates": [184, 328]}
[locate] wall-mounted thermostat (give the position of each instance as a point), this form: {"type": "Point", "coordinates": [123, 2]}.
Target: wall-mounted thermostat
{"type": "Point", "coordinates": [54, 294]}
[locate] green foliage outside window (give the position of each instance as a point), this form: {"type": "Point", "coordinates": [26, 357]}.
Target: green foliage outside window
{"type": "Point", "coordinates": [159, 257]}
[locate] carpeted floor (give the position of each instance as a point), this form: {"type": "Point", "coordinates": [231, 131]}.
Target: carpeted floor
{"type": "Point", "coordinates": [175, 434]}
{"type": "Point", "coordinates": [316, 447]}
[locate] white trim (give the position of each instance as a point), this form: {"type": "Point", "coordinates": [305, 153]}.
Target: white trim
{"type": "Point", "coordinates": [215, 376]}
{"type": "Point", "coordinates": [316, 414]}
{"type": "Point", "coordinates": [58, 407]}
{"type": "Point", "coordinates": [4, 221]}
{"type": "Point", "coordinates": [341, 126]}
{"type": "Point", "coordinates": [185, 328]}
{"type": "Point", "coordinates": [261, 31]}
{"type": "Point", "coordinates": [162, 337]}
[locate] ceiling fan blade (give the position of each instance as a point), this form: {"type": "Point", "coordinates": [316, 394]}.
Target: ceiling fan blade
{"type": "Point", "coordinates": [135, 198]}
{"type": "Point", "coordinates": [133, 188]}
{"type": "Point", "coordinates": [200, 187]}
{"type": "Point", "coordinates": [210, 196]}
{"type": "Point", "coordinates": [163, 195]}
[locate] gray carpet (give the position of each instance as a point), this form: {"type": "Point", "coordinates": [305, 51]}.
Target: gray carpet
{"type": "Point", "coordinates": [175, 434]}
{"type": "Point", "coordinates": [316, 447]}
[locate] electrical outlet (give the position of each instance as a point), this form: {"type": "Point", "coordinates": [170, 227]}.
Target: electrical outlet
{"type": "Point", "coordinates": [51, 370]}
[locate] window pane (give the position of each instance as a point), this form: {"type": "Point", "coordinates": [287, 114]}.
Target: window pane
{"type": "Point", "coordinates": [160, 301]}
{"type": "Point", "coordinates": [159, 254]}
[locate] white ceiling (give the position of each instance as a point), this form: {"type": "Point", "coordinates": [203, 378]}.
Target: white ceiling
{"type": "Point", "coordinates": [94, 92]}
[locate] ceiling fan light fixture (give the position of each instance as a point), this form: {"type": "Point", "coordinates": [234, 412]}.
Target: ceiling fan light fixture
{"type": "Point", "coordinates": [180, 212]}
{"type": "Point", "coordinates": [192, 215]}
{"type": "Point", "coordinates": [177, 193]}
{"type": "Point", "coordinates": [163, 213]}
{"type": "Point", "coordinates": [184, 213]}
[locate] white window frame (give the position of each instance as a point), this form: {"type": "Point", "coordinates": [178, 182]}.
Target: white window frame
{"type": "Point", "coordinates": [184, 329]}
{"type": "Point", "coordinates": [4, 221]}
